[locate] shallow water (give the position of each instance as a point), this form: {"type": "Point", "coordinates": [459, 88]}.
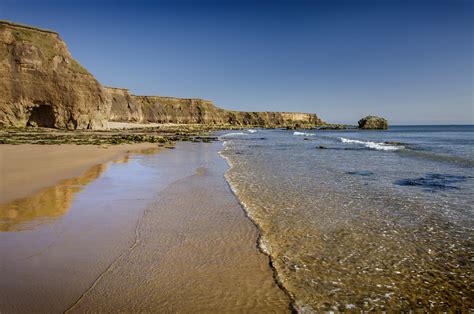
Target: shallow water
{"type": "Point", "coordinates": [146, 233]}
{"type": "Point", "coordinates": [363, 220]}
{"type": "Point", "coordinates": [195, 253]}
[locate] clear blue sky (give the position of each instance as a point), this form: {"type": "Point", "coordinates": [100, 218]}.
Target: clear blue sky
{"type": "Point", "coordinates": [409, 61]}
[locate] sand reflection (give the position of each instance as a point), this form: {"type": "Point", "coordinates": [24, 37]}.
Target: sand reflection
{"type": "Point", "coordinates": [53, 202]}
{"type": "Point", "coordinates": [46, 205]}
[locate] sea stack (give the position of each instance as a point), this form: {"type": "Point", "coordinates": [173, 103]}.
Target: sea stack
{"type": "Point", "coordinates": [373, 123]}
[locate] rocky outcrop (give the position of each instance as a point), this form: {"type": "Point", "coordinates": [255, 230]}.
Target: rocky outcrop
{"type": "Point", "coordinates": [42, 85]}
{"type": "Point", "coordinates": [373, 123]}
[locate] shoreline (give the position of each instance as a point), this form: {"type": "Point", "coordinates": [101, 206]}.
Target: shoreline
{"type": "Point", "coordinates": [258, 241]}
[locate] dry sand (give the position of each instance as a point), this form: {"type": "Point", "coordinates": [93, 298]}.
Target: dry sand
{"type": "Point", "coordinates": [159, 233]}
{"type": "Point", "coordinates": [25, 169]}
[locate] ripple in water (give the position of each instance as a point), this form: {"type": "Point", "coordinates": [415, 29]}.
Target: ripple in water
{"type": "Point", "coordinates": [343, 236]}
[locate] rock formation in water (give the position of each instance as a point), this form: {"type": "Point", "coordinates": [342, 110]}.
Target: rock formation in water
{"type": "Point", "coordinates": [373, 123]}
{"type": "Point", "coordinates": [42, 85]}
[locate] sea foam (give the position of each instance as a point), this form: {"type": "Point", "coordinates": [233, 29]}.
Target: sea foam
{"type": "Point", "coordinates": [303, 134]}
{"type": "Point", "coordinates": [371, 145]}
{"type": "Point", "coordinates": [234, 134]}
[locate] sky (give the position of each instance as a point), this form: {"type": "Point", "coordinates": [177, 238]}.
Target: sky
{"type": "Point", "coordinates": [408, 61]}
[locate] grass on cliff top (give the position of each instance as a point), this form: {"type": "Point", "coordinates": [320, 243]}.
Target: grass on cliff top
{"type": "Point", "coordinates": [77, 67]}
{"type": "Point", "coordinates": [43, 40]}
{"type": "Point", "coordinates": [27, 26]}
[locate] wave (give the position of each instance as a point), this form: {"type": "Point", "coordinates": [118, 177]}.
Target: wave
{"type": "Point", "coordinates": [252, 131]}
{"type": "Point", "coordinates": [303, 134]}
{"type": "Point", "coordinates": [372, 145]}
{"type": "Point", "coordinates": [234, 134]}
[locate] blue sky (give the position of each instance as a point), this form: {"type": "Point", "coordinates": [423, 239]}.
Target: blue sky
{"type": "Point", "coordinates": [409, 61]}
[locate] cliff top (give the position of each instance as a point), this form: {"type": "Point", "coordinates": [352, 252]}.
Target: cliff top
{"type": "Point", "coordinates": [18, 25]}
{"type": "Point", "coordinates": [172, 98]}
{"type": "Point", "coordinates": [116, 88]}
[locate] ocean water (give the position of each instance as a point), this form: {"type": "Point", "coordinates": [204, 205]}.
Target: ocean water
{"type": "Point", "coordinates": [362, 219]}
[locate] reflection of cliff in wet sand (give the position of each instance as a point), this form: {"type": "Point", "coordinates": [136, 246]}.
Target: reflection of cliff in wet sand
{"type": "Point", "coordinates": [46, 205]}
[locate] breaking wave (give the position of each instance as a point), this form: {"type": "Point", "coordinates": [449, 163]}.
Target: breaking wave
{"type": "Point", "coordinates": [303, 134]}
{"type": "Point", "coordinates": [234, 134]}
{"type": "Point", "coordinates": [252, 131]}
{"type": "Point", "coordinates": [372, 145]}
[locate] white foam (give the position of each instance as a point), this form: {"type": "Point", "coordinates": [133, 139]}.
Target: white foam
{"type": "Point", "coordinates": [303, 134]}
{"type": "Point", "coordinates": [234, 134]}
{"type": "Point", "coordinates": [371, 145]}
{"type": "Point", "coordinates": [252, 131]}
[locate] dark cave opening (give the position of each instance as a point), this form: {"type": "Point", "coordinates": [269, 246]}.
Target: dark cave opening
{"type": "Point", "coordinates": [42, 116]}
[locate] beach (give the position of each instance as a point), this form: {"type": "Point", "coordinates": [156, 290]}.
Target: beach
{"type": "Point", "coordinates": [236, 157]}
{"type": "Point", "coordinates": [27, 168]}
{"type": "Point", "coordinates": [138, 232]}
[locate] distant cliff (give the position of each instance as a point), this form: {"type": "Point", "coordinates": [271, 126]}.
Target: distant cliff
{"type": "Point", "coordinates": [42, 85]}
{"type": "Point", "coordinates": [158, 109]}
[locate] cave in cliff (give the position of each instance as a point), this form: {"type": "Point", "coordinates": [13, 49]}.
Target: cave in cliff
{"type": "Point", "coordinates": [42, 116]}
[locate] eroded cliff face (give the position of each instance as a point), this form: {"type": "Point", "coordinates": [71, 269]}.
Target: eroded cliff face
{"type": "Point", "coordinates": [124, 108]}
{"type": "Point", "coordinates": [158, 109]}
{"type": "Point", "coordinates": [42, 85]}
{"type": "Point", "coordinates": [179, 110]}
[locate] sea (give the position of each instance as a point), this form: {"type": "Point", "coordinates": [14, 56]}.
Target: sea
{"type": "Point", "coordinates": [361, 219]}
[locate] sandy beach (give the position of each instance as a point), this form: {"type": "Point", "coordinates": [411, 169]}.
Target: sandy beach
{"type": "Point", "coordinates": [148, 232]}
{"type": "Point", "coordinates": [28, 168]}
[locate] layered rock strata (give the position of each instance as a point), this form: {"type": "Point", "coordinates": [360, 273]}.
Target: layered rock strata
{"type": "Point", "coordinates": [42, 85]}
{"type": "Point", "coordinates": [159, 109]}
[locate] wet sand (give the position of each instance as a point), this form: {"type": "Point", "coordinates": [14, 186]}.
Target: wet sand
{"type": "Point", "coordinates": [160, 232]}
{"type": "Point", "coordinates": [28, 168]}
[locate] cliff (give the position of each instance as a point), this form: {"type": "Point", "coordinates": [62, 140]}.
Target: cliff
{"type": "Point", "coordinates": [158, 109]}
{"type": "Point", "coordinates": [124, 108]}
{"type": "Point", "coordinates": [42, 85]}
